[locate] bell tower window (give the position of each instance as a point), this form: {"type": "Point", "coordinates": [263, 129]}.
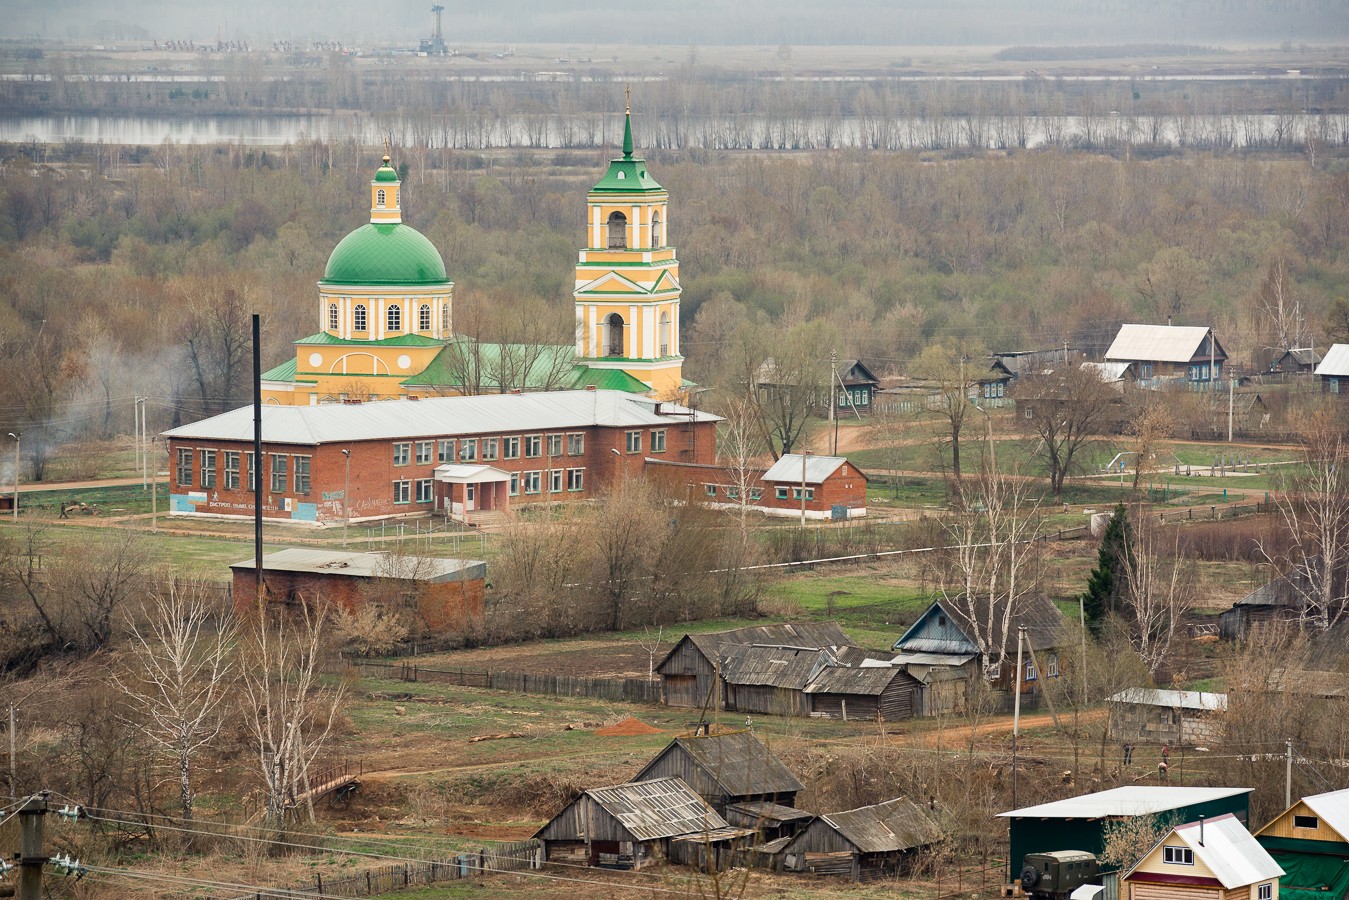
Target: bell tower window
{"type": "Point", "coordinates": [381, 198]}
{"type": "Point", "coordinates": [332, 317]}
{"type": "Point", "coordinates": [665, 334]}
{"type": "Point", "coordinates": [444, 317]}
{"type": "Point", "coordinates": [424, 317]}
{"type": "Point", "coordinates": [358, 317]}
{"type": "Point", "coordinates": [614, 336]}
{"type": "Point", "coordinates": [655, 231]}
{"type": "Point", "coordinates": [618, 231]}
{"type": "Point", "coordinates": [395, 318]}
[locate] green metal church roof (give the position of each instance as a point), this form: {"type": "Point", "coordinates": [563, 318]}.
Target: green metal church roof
{"type": "Point", "coordinates": [283, 372]}
{"type": "Point", "coordinates": [627, 174]}
{"type": "Point", "coordinates": [385, 254]}
{"type": "Point", "coordinates": [401, 340]}
{"type": "Point", "coordinates": [606, 380]}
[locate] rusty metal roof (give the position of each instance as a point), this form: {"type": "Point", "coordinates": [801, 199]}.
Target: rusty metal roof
{"type": "Point", "coordinates": [659, 808]}
{"type": "Point", "coordinates": [897, 824]}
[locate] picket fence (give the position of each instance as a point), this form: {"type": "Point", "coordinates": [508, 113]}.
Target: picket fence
{"type": "Point", "coordinates": [630, 690]}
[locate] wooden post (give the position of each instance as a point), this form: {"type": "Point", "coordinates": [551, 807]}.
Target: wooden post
{"type": "Point", "coordinates": [31, 853]}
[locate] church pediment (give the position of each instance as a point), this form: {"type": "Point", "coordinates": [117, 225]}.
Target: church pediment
{"type": "Point", "coordinates": [612, 283]}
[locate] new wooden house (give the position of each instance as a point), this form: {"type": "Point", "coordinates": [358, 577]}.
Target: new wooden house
{"type": "Point", "coordinates": [1333, 371]}
{"type": "Point", "coordinates": [865, 843]}
{"type": "Point", "coordinates": [631, 825]}
{"type": "Point", "coordinates": [1310, 842]}
{"type": "Point", "coordinates": [689, 671]}
{"type": "Point", "coordinates": [1209, 859]}
{"type": "Point", "coordinates": [725, 770]}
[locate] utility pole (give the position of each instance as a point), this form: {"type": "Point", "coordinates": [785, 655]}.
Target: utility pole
{"type": "Point", "coordinates": [833, 402]}
{"type": "Point", "coordinates": [16, 476]}
{"type": "Point", "coordinates": [31, 855]}
{"type": "Point", "coordinates": [13, 758]}
{"type": "Point", "coordinates": [1287, 774]}
{"type": "Point", "coordinates": [346, 498]}
{"type": "Point", "coordinates": [1231, 389]}
{"type": "Point", "coordinates": [1016, 705]}
{"type": "Point", "coordinates": [803, 486]}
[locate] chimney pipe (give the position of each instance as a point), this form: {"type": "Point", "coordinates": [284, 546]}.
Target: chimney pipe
{"type": "Point", "coordinates": [1201, 831]}
{"type": "Point", "coordinates": [1168, 321]}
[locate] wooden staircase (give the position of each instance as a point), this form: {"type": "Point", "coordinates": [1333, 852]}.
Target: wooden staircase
{"type": "Point", "coordinates": [488, 519]}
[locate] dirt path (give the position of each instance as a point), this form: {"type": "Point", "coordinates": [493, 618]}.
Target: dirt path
{"type": "Point", "coordinates": [1001, 725]}
{"type": "Point", "coordinates": [37, 486]}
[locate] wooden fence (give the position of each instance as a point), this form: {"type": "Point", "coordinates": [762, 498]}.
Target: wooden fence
{"type": "Point", "coordinates": [511, 857]}
{"type": "Point", "coordinates": [631, 690]}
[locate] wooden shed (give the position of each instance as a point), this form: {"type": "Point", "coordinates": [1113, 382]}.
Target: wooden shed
{"type": "Point", "coordinates": [689, 670]}
{"type": "Point", "coordinates": [726, 769]}
{"type": "Point", "coordinates": [770, 821]}
{"type": "Point", "coordinates": [865, 843]}
{"type": "Point", "coordinates": [630, 825]}
{"type": "Point", "coordinates": [770, 679]}
{"type": "Point", "coordinates": [1310, 842]}
{"type": "Point", "coordinates": [883, 694]}
{"type": "Point", "coordinates": [1178, 718]}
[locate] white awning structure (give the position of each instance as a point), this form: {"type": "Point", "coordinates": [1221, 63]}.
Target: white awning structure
{"type": "Point", "coordinates": [455, 473]}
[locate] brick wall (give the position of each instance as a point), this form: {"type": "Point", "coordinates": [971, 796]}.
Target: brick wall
{"type": "Point", "coordinates": [444, 607]}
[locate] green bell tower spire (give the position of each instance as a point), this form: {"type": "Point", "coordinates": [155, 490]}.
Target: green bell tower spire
{"type": "Point", "coordinates": [627, 123]}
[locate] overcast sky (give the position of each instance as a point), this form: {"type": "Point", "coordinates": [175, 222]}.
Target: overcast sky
{"type": "Point", "coordinates": [684, 22]}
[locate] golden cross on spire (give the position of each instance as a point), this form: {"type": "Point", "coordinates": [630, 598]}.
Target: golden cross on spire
{"type": "Point", "coordinates": [627, 98]}
{"type": "Point", "coordinates": [386, 148]}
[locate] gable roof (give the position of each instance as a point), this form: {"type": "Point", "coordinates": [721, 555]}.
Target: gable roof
{"type": "Point", "coordinates": [1040, 616]}
{"type": "Point", "coordinates": [896, 824]}
{"type": "Point", "coordinates": [1336, 361]}
{"type": "Point", "coordinates": [1162, 343]}
{"type": "Point", "coordinates": [1130, 800]}
{"type": "Point", "coordinates": [1223, 844]}
{"type": "Point", "coordinates": [1301, 356]}
{"type": "Point", "coordinates": [659, 808]}
{"type": "Point", "coordinates": [771, 666]}
{"type": "Point", "coordinates": [795, 634]}
{"type": "Point", "coordinates": [867, 681]}
{"type": "Point", "coordinates": [738, 763]}
{"type": "Point", "coordinates": [854, 371]}
{"type": "Point", "coordinates": [817, 468]}
{"type": "Point", "coordinates": [1199, 701]}
{"type": "Point", "coordinates": [1332, 807]}
{"type": "Point", "coordinates": [1109, 372]}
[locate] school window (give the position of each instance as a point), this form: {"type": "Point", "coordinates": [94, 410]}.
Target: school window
{"type": "Point", "coordinates": [302, 475]}
{"type": "Point", "coordinates": [402, 492]}
{"type": "Point", "coordinates": [208, 468]}
{"type": "Point", "coordinates": [445, 452]}
{"type": "Point", "coordinates": [1052, 667]}
{"type": "Point", "coordinates": [510, 448]}
{"type": "Point", "coordinates": [732, 493]}
{"type": "Point", "coordinates": [710, 490]}
{"type": "Point", "coordinates": [231, 470]}
{"type": "Point", "coordinates": [755, 494]}
{"type": "Point", "coordinates": [555, 481]}
{"type": "Point", "coordinates": [515, 484]}
{"type": "Point", "coordinates": [576, 444]}
{"type": "Point", "coordinates": [781, 493]}
{"type": "Point", "coordinates": [185, 467]}
{"type": "Point", "coordinates": [658, 441]}
{"type": "Point", "coordinates": [1306, 822]}
{"type": "Point", "coordinates": [810, 493]}
{"type": "Point", "coordinates": [252, 472]}
{"type": "Point", "coordinates": [533, 445]}
{"type": "Point", "coordinates": [402, 454]}
{"type": "Point", "coordinates": [490, 447]}
{"type": "Point", "coordinates": [424, 452]}
{"type": "Point", "coordinates": [1265, 891]}
{"type": "Point", "coordinates": [1179, 856]}
{"type": "Point", "coordinates": [468, 450]}
{"type": "Point", "coordinates": [280, 471]}
{"type": "Point", "coordinates": [1031, 674]}
{"type": "Point", "coordinates": [576, 479]}
{"type": "Point", "coordinates": [395, 318]}
{"type": "Point", "coordinates": [554, 445]}
{"type": "Point", "coordinates": [634, 442]}
{"type": "Point", "coordinates": [532, 481]}
{"type": "Point", "coordinates": [424, 490]}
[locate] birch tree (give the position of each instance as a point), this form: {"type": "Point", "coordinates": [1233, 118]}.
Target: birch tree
{"type": "Point", "coordinates": [180, 673]}
{"type": "Point", "coordinates": [1157, 595]}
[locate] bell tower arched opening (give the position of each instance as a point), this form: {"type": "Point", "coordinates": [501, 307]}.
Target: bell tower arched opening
{"type": "Point", "coordinates": [618, 231]}
{"type": "Point", "coordinates": [655, 231]}
{"type": "Point", "coordinates": [613, 335]}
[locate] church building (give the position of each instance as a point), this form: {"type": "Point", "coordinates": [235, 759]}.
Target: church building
{"type": "Point", "coordinates": [386, 309]}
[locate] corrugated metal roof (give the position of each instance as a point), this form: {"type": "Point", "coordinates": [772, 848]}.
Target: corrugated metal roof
{"type": "Point", "coordinates": [818, 468]}
{"type": "Point", "coordinates": [1160, 343]}
{"type": "Point", "coordinates": [784, 667]}
{"type": "Point", "coordinates": [1109, 372]}
{"type": "Point", "coordinates": [931, 659]}
{"type": "Point", "coordinates": [366, 565]}
{"type": "Point", "coordinates": [740, 763]}
{"type": "Point", "coordinates": [886, 827]}
{"type": "Point", "coordinates": [1227, 848]}
{"type": "Point", "coordinates": [1203, 701]}
{"type": "Point", "coordinates": [1336, 361]}
{"type": "Point", "coordinates": [1333, 808]}
{"type": "Point", "coordinates": [395, 419]}
{"type": "Point", "coordinates": [659, 808]}
{"type": "Point", "coordinates": [864, 681]}
{"type": "Point", "coordinates": [1130, 800]}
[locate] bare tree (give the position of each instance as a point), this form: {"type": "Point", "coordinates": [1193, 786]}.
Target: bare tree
{"type": "Point", "coordinates": [1280, 309]}
{"type": "Point", "coordinates": [738, 442]}
{"type": "Point", "coordinates": [290, 715]}
{"type": "Point", "coordinates": [955, 375]}
{"type": "Point", "coordinates": [1065, 409]}
{"type": "Point", "coordinates": [180, 672]}
{"type": "Point", "coordinates": [1150, 426]}
{"type": "Point", "coordinates": [1314, 511]}
{"type": "Point", "coordinates": [1157, 593]}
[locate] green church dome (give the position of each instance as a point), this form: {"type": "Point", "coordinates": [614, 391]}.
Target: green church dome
{"type": "Point", "coordinates": [385, 254]}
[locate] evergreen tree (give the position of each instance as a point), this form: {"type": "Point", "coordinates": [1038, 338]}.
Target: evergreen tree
{"type": "Point", "coordinates": [1105, 585]}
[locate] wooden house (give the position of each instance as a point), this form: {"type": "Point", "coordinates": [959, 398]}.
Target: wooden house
{"type": "Point", "coordinates": [1333, 371]}
{"type": "Point", "coordinates": [854, 388]}
{"type": "Point", "coordinates": [868, 693]}
{"type": "Point", "coordinates": [1298, 361]}
{"type": "Point", "coordinates": [726, 769]}
{"type": "Point", "coordinates": [1167, 354]}
{"type": "Point", "coordinates": [948, 630]}
{"type": "Point", "coordinates": [689, 671]}
{"type": "Point", "coordinates": [769, 678]}
{"type": "Point", "coordinates": [630, 825]}
{"type": "Point", "coordinates": [1310, 842]}
{"type": "Point", "coordinates": [866, 843]}
{"type": "Point", "coordinates": [992, 383]}
{"type": "Point", "coordinates": [770, 821]}
{"type": "Point", "coordinates": [1209, 859]}
{"type": "Point", "coordinates": [1178, 718]}
{"type": "Point", "coordinates": [944, 677]}
{"type": "Point", "coordinates": [1276, 600]}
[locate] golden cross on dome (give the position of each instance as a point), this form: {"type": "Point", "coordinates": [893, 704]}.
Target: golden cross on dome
{"type": "Point", "coordinates": [627, 98]}
{"type": "Point", "coordinates": [386, 148]}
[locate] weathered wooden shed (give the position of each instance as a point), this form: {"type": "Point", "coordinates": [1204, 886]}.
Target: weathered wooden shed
{"type": "Point", "coordinates": [865, 843]}
{"type": "Point", "coordinates": [688, 671]}
{"type": "Point", "coordinates": [1179, 718]}
{"type": "Point", "coordinates": [945, 679]}
{"type": "Point", "coordinates": [769, 820]}
{"type": "Point", "coordinates": [1277, 600]}
{"type": "Point", "coordinates": [726, 769]}
{"type": "Point", "coordinates": [630, 825]}
{"type": "Point", "coordinates": [885, 694]}
{"type": "Point", "coordinates": [770, 679]}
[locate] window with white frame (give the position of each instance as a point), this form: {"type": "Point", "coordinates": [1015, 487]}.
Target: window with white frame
{"type": "Point", "coordinates": [576, 479]}
{"type": "Point", "coordinates": [444, 317]}
{"type": "Point", "coordinates": [710, 490]}
{"type": "Point", "coordinates": [511, 448]}
{"type": "Point", "coordinates": [755, 494]}
{"type": "Point", "coordinates": [252, 472]}
{"type": "Point", "coordinates": [515, 484]}
{"type": "Point", "coordinates": [810, 493]}
{"type": "Point", "coordinates": [490, 447]}
{"type": "Point", "coordinates": [208, 468]}
{"type": "Point", "coordinates": [424, 489]}
{"type": "Point", "coordinates": [1031, 674]}
{"type": "Point", "coordinates": [533, 445]}
{"type": "Point", "coordinates": [332, 317]}
{"type": "Point", "coordinates": [402, 454]}
{"type": "Point", "coordinates": [280, 472]}
{"type": "Point", "coordinates": [424, 450]}
{"type": "Point", "coordinates": [394, 318]}
{"type": "Point", "coordinates": [358, 317]}
{"type": "Point", "coordinates": [634, 442]}
{"type": "Point", "coordinates": [302, 475]}
{"type": "Point", "coordinates": [185, 466]}
{"type": "Point", "coordinates": [555, 481]}
{"type": "Point", "coordinates": [424, 317]}
{"type": "Point", "coordinates": [554, 445]}
{"type": "Point", "coordinates": [1052, 666]}
{"type": "Point", "coordinates": [531, 481]}
{"type": "Point", "coordinates": [231, 470]}
{"type": "Point", "coordinates": [781, 493]}
{"type": "Point", "coordinates": [1178, 856]}
{"type": "Point", "coordinates": [1265, 891]}
{"type": "Point", "coordinates": [445, 451]}
{"type": "Point", "coordinates": [402, 492]}
{"type": "Point", "coordinates": [381, 198]}
{"type": "Point", "coordinates": [576, 444]}
{"type": "Point", "coordinates": [658, 440]}
{"type": "Point", "coordinates": [468, 449]}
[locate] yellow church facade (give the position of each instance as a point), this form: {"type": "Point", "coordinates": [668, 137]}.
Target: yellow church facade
{"type": "Point", "coordinates": [386, 307]}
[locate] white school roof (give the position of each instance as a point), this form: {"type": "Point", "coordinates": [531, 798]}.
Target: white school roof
{"type": "Point", "coordinates": [1335, 362]}
{"type": "Point", "coordinates": [1227, 848]}
{"type": "Point", "coordinates": [1131, 800]}
{"type": "Point", "coordinates": [401, 419]}
{"type": "Point", "coordinates": [1158, 343]}
{"type": "Point", "coordinates": [818, 468]}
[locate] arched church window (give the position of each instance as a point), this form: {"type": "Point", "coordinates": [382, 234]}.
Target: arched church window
{"type": "Point", "coordinates": [664, 334]}
{"type": "Point", "coordinates": [655, 230]}
{"type": "Point", "coordinates": [332, 317]}
{"type": "Point", "coordinates": [380, 198]}
{"type": "Point", "coordinates": [424, 317]}
{"type": "Point", "coordinates": [358, 317]}
{"type": "Point", "coordinates": [614, 335]}
{"type": "Point", "coordinates": [395, 318]}
{"type": "Point", "coordinates": [445, 317]}
{"type": "Point", "coordinates": [618, 231]}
